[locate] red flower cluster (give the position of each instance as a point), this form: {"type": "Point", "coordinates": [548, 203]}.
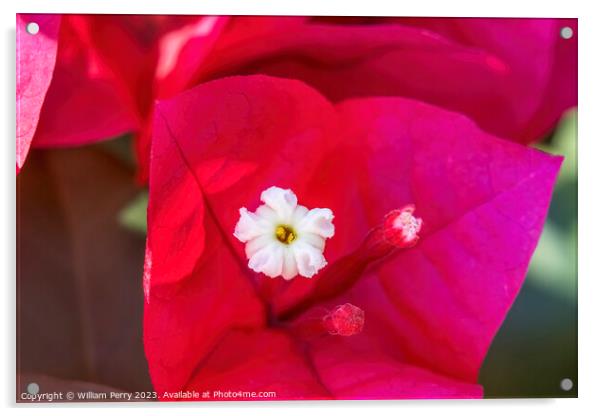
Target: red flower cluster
{"type": "Point", "coordinates": [388, 127]}
{"type": "Point", "coordinates": [430, 310]}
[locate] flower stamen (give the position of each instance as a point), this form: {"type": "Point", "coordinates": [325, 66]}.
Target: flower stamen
{"type": "Point", "coordinates": [401, 227]}
{"type": "Point", "coordinates": [285, 234]}
{"type": "Point", "coordinates": [400, 230]}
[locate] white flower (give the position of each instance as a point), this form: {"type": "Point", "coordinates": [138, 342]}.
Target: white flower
{"type": "Point", "coordinates": [283, 238]}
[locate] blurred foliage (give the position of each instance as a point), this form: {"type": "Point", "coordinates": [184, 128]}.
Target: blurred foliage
{"type": "Point", "coordinates": [133, 215]}
{"type": "Point", "coordinates": [537, 345]}
{"type": "Point", "coordinates": [121, 147]}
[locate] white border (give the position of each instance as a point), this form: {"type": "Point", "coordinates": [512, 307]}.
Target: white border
{"type": "Point", "coordinates": [508, 8]}
{"type": "Point", "coordinates": [590, 207]}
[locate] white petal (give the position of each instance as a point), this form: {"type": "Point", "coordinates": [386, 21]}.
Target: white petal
{"type": "Point", "coordinates": [266, 253]}
{"type": "Point", "coordinates": [289, 267]}
{"type": "Point", "coordinates": [268, 214]}
{"type": "Point", "coordinates": [298, 214]}
{"type": "Point", "coordinates": [249, 226]}
{"type": "Point", "coordinates": [256, 244]}
{"type": "Point", "coordinates": [268, 260]}
{"type": "Point", "coordinates": [309, 259]}
{"type": "Point", "coordinates": [283, 201]}
{"type": "Point", "coordinates": [313, 239]}
{"type": "Point", "coordinates": [318, 221]}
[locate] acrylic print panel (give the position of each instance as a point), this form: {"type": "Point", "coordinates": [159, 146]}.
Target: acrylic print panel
{"type": "Point", "coordinates": [295, 208]}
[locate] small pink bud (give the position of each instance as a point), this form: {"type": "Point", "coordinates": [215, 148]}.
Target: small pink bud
{"type": "Point", "coordinates": [401, 227]}
{"type": "Point", "coordinates": [345, 320]}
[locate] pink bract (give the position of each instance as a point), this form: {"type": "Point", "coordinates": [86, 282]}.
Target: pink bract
{"type": "Point", "coordinates": [430, 311]}
{"type": "Point", "coordinates": [542, 69]}
{"type": "Point", "coordinates": [514, 77]}
{"type": "Point", "coordinates": [36, 54]}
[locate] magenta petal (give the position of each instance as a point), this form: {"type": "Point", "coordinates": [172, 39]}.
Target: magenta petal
{"type": "Point", "coordinates": [36, 55]}
{"type": "Point", "coordinates": [514, 77]}
{"type": "Point", "coordinates": [430, 312]}
{"type": "Point", "coordinates": [259, 361]}
{"type": "Point", "coordinates": [85, 102]}
{"type": "Point", "coordinates": [541, 64]}
{"type": "Point", "coordinates": [561, 91]}
{"type": "Point", "coordinates": [208, 158]}
{"type": "Point", "coordinates": [185, 320]}
{"type": "Point", "coordinates": [483, 202]}
{"type": "Point", "coordinates": [352, 369]}
{"type": "Point", "coordinates": [182, 53]}
{"type": "Point", "coordinates": [231, 133]}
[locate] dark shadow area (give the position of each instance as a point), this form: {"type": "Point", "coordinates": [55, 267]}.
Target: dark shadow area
{"type": "Point", "coordinates": [79, 272]}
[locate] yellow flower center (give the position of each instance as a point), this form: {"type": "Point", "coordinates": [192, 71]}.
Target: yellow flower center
{"type": "Point", "coordinates": [285, 234]}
